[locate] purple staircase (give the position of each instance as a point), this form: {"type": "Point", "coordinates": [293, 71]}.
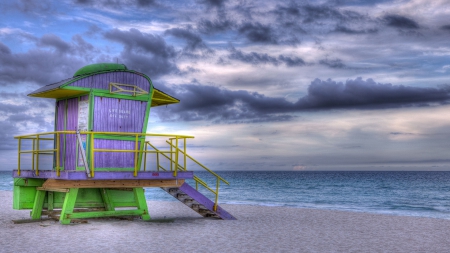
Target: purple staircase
{"type": "Point", "coordinates": [197, 202]}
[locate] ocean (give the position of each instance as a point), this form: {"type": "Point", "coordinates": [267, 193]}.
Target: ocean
{"type": "Point", "coordinates": [407, 193]}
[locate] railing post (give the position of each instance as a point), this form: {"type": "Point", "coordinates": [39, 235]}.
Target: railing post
{"type": "Point", "coordinates": [145, 155]}
{"type": "Point", "coordinates": [92, 153]}
{"type": "Point", "coordinates": [157, 160]}
{"type": "Point", "coordinates": [184, 150]}
{"type": "Point", "coordinates": [18, 156]}
{"type": "Point", "coordinates": [58, 172]}
{"type": "Point", "coordinates": [33, 156]}
{"type": "Point", "coordinates": [176, 156]}
{"type": "Point", "coordinates": [37, 155]}
{"type": "Point", "coordinates": [217, 195]}
{"type": "Point", "coordinates": [135, 155]}
{"type": "Point", "coordinates": [171, 155]}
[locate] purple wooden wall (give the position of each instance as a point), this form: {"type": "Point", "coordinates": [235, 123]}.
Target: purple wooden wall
{"type": "Point", "coordinates": [71, 124]}
{"type": "Point", "coordinates": [101, 81]}
{"type": "Point", "coordinates": [67, 119]}
{"type": "Point", "coordinates": [114, 159]}
{"type": "Point", "coordinates": [118, 115]}
{"type": "Point", "coordinates": [60, 120]}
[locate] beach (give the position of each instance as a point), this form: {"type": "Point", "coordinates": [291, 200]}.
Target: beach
{"type": "Point", "coordinates": [257, 229]}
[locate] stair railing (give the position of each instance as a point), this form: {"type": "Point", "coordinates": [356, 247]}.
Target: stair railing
{"type": "Point", "coordinates": [183, 168]}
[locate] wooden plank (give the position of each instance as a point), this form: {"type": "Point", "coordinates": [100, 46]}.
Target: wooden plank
{"type": "Point", "coordinates": [51, 189]}
{"type": "Point", "coordinates": [58, 184]}
{"type": "Point", "coordinates": [104, 214]}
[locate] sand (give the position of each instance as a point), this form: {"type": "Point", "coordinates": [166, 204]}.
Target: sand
{"type": "Point", "coordinates": [258, 229]}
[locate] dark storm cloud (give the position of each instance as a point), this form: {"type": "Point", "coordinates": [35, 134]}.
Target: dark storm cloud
{"type": "Point", "coordinates": [193, 41]}
{"type": "Point", "coordinates": [263, 58]}
{"type": "Point", "coordinates": [117, 4]}
{"type": "Point", "coordinates": [358, 93]}
{"type": "Point", "coordinates": [220, 105]}
{"type": "Point", "coordinates": [37, 65]}
{"type": "Point", "coordinates": [344, 29]}
{"type": "Point", "coordinates": [213, 3]}
{"type": "Point", "coordinates": [31, 7]}
{"type": "Point", "coordinates": [258, 33]}
{"type": "Point", "coordinates": [51, 40]}
{"type": "Point", "coordinates": [199, 102]}
{"type": "Point", "coordinates": [445, 27]}
{"type": "Point", "coordinates": [398, 21]}
{"type": "Point", "coordinates": [144, 52]}
{"type": "Point", "coordinates": [215, 26]}
{"type": "Point", "coordinates": [335, 64]}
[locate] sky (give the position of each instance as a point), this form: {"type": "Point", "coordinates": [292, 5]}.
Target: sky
{"type": "Point", "coordinates": [263, 85]}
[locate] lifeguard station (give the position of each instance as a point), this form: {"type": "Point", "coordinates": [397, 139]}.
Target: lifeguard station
{"type": "Point", "coordinates": [101, 152]}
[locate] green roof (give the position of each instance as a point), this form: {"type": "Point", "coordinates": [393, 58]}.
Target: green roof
{"type": "Point", "coordinates": [98, 67]}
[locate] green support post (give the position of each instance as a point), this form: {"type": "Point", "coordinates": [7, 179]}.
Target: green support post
{"type": "Point", "coordinates": [106, 199]}
{"type": "Point", "coordinates": [141, 202]}
{"type": "Point", "coordinates": [68, 206]}
{"type": "Point", "coordinates": [50, 205]}
{"type": "Point", "coordinates": [38, 204]}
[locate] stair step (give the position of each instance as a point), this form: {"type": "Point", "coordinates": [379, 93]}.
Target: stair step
{"type": "Point", "coordinates": [182, 196]}
{"type": "Point", "coordinates": [188, 201]}
{"type": "Point", "coordinates": [173, 190]}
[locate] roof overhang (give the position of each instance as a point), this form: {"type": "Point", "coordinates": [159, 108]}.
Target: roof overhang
{"type": "Point", "coordinates": [160, 98]}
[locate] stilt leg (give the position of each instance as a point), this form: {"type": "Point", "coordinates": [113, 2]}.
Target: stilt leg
{"type": "Point", "coordinates": [141, 202]}
{"type": "Point", "coordinates": [106, 199]}
{"type": "Point", "coordinates": [38, 204]}
{"type": "Point", "coordinates": [69, 204]}
{"type": "Point", "coordinates": [50, 201]}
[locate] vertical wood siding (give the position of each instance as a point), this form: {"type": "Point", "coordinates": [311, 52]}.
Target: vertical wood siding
{"type": "Point", "coordinates": [114, 159]}
{"type": "Point", "coordinates": [118, 115]}
{"type": "Point", "coordinates": [71, 125]}
{"type": "Point", "coordinates": [60, 120]}
{"type": "Point", "coordinates": [101, 81]}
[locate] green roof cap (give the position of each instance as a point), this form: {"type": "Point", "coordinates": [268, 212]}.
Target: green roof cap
{"type": "Point", "coordinates": [99, 67]}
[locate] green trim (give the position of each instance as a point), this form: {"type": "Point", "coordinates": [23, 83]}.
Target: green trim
{"type": "Point", "coordinates": [102, 93]}
{"type": "Point", "coordinates": [97, 67]}
{"type": "Point", "coordinates": [144, 127]}
{"type": "Point", "coordinates": [116, 137]}
{"type": "Point", "coordinates": [76, 96]}
{"type": "Point", "coordinates": [103, 72]}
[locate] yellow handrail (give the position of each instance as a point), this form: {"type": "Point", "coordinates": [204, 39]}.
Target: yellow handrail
{"type": "Point", "coordinates": [174, 152]}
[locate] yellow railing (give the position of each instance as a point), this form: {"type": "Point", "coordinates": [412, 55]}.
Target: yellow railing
{"type": "Point", "coordinates": [172, 154]}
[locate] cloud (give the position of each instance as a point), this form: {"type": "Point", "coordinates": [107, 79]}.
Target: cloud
{"type": "Point", "coordinates": [258, 58]}
{"type": "Point", "coordinates": [39, 66]}
{"type": "Point", "coordinates": [445, 27]}
{"type": "Point", "coordinates": [335, 64]}
{"type": "Point", "coordinates": [215, 26]}
{"type": "Point", "coordinates": [144, 52]}
{"type": "Point", "coordinates": [398, 21]}
{"type": "Point", "coordinates": [358, 93]}
{"type": "Point", "coordinates": [193, 41]}
{"type": "Point", "coordinates": [213, 3]}
{"type": "Point", "coordinates": [259, 33]}
{"type": "Point", "coordinates": [116, 4]}
{"type": "Point", "coordinates": [221, 105]}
